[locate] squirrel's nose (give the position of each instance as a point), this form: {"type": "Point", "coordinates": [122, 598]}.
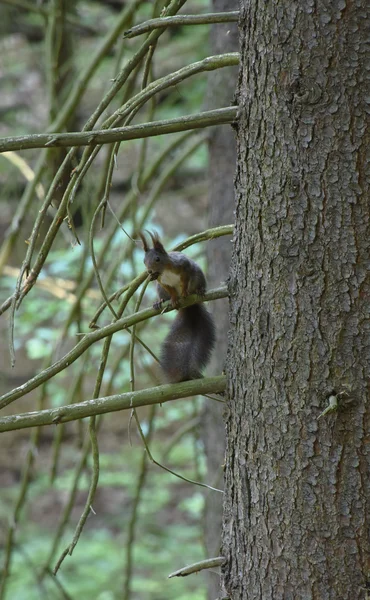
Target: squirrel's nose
{"type": "Point", "coordinates": [150, 271]}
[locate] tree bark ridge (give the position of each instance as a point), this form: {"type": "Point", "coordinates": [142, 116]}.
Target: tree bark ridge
{"type": "Point", "coordinates": [296, 513]}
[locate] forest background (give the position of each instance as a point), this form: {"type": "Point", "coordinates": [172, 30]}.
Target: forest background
{"type": "Point", "coordinates": [146, 523]}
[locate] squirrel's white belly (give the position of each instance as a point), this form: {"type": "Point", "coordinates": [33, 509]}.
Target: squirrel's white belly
{"type": "Point", "coordinates": [171, 279]}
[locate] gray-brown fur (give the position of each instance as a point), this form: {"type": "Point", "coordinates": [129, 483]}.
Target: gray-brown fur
{"type": "Point", "coordinates": [188, 346]}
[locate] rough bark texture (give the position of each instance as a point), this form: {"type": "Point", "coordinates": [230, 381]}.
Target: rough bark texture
{"type": "Point", "coordinates": [296, 515]}
{"type": "Point", "coordinates": [222, 161]}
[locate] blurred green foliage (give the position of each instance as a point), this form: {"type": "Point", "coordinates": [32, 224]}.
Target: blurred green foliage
{"type": "Point", "coordinates": [169, 533]}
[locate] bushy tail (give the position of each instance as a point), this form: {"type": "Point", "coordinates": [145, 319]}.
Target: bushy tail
{"type": "Point", "coordinates": [188, 346]}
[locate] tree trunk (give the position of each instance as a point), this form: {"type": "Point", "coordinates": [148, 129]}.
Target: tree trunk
{"type": "Point", "coordinates": [296, 513]}
{"type": "Point", "coordinates": [222, 161]}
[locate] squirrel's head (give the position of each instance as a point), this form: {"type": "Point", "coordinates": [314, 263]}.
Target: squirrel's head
{"type": "Point", "coordinates": [155, 258]}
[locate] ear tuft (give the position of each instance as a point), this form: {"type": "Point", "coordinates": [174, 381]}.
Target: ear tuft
{"type": "Point", "coordinates": [145, 243]}
{"type": "Point", "coordinates": [157, 244]}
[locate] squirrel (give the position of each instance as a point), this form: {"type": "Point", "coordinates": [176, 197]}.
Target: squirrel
{"type": "Point", "coordinates": [190, 341]}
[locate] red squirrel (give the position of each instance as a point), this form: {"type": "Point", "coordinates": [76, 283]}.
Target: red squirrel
{"type": "Point", "coordinates": [190, 341]}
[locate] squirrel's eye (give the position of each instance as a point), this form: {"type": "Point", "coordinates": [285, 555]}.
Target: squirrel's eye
{"type": "Point", "coordinates": [157, 259]}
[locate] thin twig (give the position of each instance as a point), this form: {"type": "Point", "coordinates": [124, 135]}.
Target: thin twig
{"type": "Point", "coordinates": [154, 461]}
{"type": "Point", "coordinates": [68, 507]}
{"type": "Point", "coordinates": [186, 428]}
{"type": "Point", "coordinates": [93, 257]}
{"type": "Point", "coordinates": [135, 508]}
{"type": "Point", "coordinates": [75, 390]}
{"type": "Point", "coordinates": [209, 563]}
{"type": "Point", "coordinates": [92, 490]}
{"type": "Point", "coordinates": [205, 19]}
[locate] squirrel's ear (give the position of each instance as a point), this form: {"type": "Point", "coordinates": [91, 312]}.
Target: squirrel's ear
{"type": "Point", "coordinates": [157, 244]}
{"type": "Point", "coordinates": [145, 244]}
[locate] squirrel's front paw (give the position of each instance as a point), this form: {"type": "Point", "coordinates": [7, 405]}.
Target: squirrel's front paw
{"type": "Point", "coordinates": [158, 305]}
{"type": "Point", "coordinates": [153, 276]}
{"type": "Point", "coordinates": [175, 303]}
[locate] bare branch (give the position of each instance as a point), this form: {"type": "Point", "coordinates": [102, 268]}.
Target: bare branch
{"type": "Point", "coordinates": [209, 563]}
{"type": "Point", "coordinates": [126, 401]}
{"type": "Point", "coordinates": [220, 116]}
{"type": "Point", "coordinates": [220, 17]}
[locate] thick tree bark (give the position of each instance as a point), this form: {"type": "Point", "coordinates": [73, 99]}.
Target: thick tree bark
{"type": "Point", "coordinates": [296, 514]}
{"type": "Point", "coordinates": [222, 161]}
